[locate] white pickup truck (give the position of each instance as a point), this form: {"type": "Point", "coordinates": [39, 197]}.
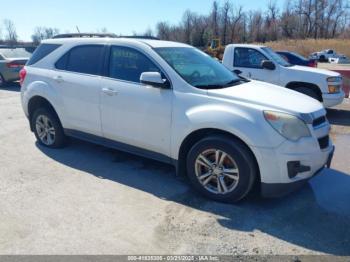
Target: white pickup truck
{"type": "Point", "coordinates": [324, 55]}
{"type": "Point", "coordinates": [263, 64]}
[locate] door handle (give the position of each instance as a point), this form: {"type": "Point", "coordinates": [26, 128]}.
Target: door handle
{"type": "Point", "coordinates": [109, 91]}
{"type": "Point", "coordinates": [58, 79]}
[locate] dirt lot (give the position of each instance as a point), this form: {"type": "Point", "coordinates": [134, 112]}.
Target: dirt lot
{"type": "Point", "coordinates": [86, 199]}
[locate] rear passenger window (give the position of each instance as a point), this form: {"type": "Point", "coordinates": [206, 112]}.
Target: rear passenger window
{"type": "Point", "coordinates": [128, 64]}
{"type": "Point", "coordinates": [42, 51]}
{"type": "Point", "coordinates": [82, 59]}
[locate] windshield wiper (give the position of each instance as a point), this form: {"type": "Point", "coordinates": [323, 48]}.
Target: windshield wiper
{"type": "Point", "coordinates": [210, 86]}
{"type": "Point", "coordinates": [231, 83]}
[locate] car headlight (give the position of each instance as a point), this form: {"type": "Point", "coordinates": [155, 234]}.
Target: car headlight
{"type": "Point", "coordinates": [289, 126]}
{"type": "Point", "coordinates": [334, 79]}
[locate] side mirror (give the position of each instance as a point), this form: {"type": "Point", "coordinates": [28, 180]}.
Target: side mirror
{"type": "Point", "coordinates": [267, 64]}
{"type": "Point", "coordinates": [237, 72]}
{"type": "Point", "coordinates": [154, 79]}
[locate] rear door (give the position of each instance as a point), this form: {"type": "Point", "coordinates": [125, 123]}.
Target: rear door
{"type": "Point", "coordinates": [249, 60]}
{"type": "Point", "coordinates": [133, 113]}
{"type": "Point", "coordinates": [78, 79]}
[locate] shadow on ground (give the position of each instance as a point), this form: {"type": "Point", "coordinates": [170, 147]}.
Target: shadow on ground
{"type": "Point", "coordinates": [13, 87]}
{"type": "Point", "coordinates": [316, 218]}
{"type": "Point", "coordinates": [338, 117]}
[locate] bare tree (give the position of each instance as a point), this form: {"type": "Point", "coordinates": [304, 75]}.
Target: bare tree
{"type": "Point", "coordinates": [41, 33]}
{"type": "Point", "coordinates": [11, 36]}
{"type": "Point", "coordinates": [225, 14]}
{"type": "Point", "coordinates": [236, 16]}
{"type": "Point", "coordinates": [215, 19]}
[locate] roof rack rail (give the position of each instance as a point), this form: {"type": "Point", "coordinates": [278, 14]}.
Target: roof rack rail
{"type": "Point", "coordinates": [141, 37]}
{"type": "Point", "coordinates": [97, 35]}
{"type": "Point", "coordinates": [91, 35]}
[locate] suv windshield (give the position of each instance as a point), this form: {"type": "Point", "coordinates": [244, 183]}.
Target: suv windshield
{"type": "Point", "coordinates": [276, 57]}
{"type": "Point", "coordinates": [197, 68]}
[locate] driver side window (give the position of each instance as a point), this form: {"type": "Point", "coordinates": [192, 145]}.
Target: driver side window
{"type": "Point", "coordinates": [128, 64]}
{"type": "Point", "coordinates": [247, 57]}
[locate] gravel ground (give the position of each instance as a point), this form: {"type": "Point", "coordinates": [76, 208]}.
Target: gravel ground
{"type": "Point", "coordinates": [87, 199]}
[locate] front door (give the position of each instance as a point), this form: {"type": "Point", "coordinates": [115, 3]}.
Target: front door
{"type": "Point", "coordinates": [133, 113]}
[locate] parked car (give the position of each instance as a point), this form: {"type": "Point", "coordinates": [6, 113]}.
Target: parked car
{"type": "Point", "coordinates": [171, 102]}
{"type": "Point", "coordinates": [325, 55]}
{"type": "Point", "coordinates": [297, 59]}
{"type": "Point", "coordinates": [263, 64]}
{"type": "Point", "coordinates": [12, 61]}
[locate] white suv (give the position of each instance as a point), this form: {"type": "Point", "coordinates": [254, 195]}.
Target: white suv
{"type": "Point", "coordinates": [173, 103]}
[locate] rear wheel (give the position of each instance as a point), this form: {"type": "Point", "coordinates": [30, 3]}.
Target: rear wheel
{"type": "Point", "coordinates": [47, 128]}
{"type": "Point", "coordinates": [2, 81]}
{"type": "Point", "coordinates": [309, 92]}
{"type": "Point", "coordinates": [221, 168]}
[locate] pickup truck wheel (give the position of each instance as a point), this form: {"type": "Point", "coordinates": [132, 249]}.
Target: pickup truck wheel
{"type": "Point", "coordinates": [323, 59]}
{"type": "Point", "coordinates": [221, 168]}
{"type": "Point", "coordinates": [309, 92]}
{"type": "Point", "coordinates": [48, 129]}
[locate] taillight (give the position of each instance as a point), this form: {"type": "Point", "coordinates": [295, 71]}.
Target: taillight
{"type": "Point", "coordinates": [312, 64]}
{"type": "Point", "coordinates": [14, 65]}
{"type": "Point", "coordinates": [22, 75]}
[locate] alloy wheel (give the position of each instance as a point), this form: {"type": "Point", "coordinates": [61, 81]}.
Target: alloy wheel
{"type": "Point", "coordinates": [217, 171]}
{"type": "Point", "coordinates": [45, 130]}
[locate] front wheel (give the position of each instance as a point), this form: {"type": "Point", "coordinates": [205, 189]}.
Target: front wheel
{"type": "Point", "coordinates": [221, 168]}
{"type": "Point", "coordinates": [48, 129]}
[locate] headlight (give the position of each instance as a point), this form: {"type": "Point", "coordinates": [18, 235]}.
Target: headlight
{"type": "Point", "coordinates": [334, 79]}
{"type": "Point", "coordinates": [287, 125]}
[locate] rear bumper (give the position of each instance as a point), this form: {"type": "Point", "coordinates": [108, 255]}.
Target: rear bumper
{"type": "Point", "coordinates": [282, 189]}
{"type": "Point", "coordinates": [11, 75]}
{"type": "Point", "coordinates": [330, 100]}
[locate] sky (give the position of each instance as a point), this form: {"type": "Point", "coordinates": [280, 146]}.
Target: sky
{"type": "Point", "coordinates": [118, 16]}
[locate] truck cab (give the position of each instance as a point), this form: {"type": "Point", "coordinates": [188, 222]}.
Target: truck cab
{"type": "Point", "coordinates": [263, 64]}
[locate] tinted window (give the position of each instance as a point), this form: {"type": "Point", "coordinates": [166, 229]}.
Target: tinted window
{"type": "Point", "coordinates": [82, 59]}
{"type": "Point", "coordinates": [128, 64]}
{"type": "Point", "coordinates": [62, 63]}
{"type": "Point", "coordinates": [42, 51]}
{"type": "Point", "coordinates": [247, 57]}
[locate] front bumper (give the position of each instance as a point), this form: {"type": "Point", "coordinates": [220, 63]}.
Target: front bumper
{"type": "Point", "coordinates": [330, 100]}
{"type": "Point", "coordinates": [272, 190]}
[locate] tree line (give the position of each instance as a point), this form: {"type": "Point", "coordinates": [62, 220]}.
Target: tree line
{"type": "Point", "coordinates": [296, 19]}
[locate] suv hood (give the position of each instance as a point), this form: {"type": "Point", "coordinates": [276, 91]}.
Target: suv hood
{"type": "Point", "coordinates": [268, 96]}
{"type": "Point", "coordinates": [310, 70]}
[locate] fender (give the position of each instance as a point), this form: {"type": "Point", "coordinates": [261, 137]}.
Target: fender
{"type": "Point", "coordinates": [42, 89]}
{"type": "Point", "coordinates": [241, 124]}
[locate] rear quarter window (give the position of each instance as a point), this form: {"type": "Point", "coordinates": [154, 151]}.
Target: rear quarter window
{"type": "Point", "coordinates": [42, 51]}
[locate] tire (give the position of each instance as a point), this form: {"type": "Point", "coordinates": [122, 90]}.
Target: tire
{"type": "Point", "coordinates": [48, 129]}
{"type": "Point", "coordinates": [323, 59]}
{"type": "Point", "coordinates": [309, 92]}
{"type": "Point", "coordinates": [239, 162]}
{"type": "Point", "coordinates": [2, 81]}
